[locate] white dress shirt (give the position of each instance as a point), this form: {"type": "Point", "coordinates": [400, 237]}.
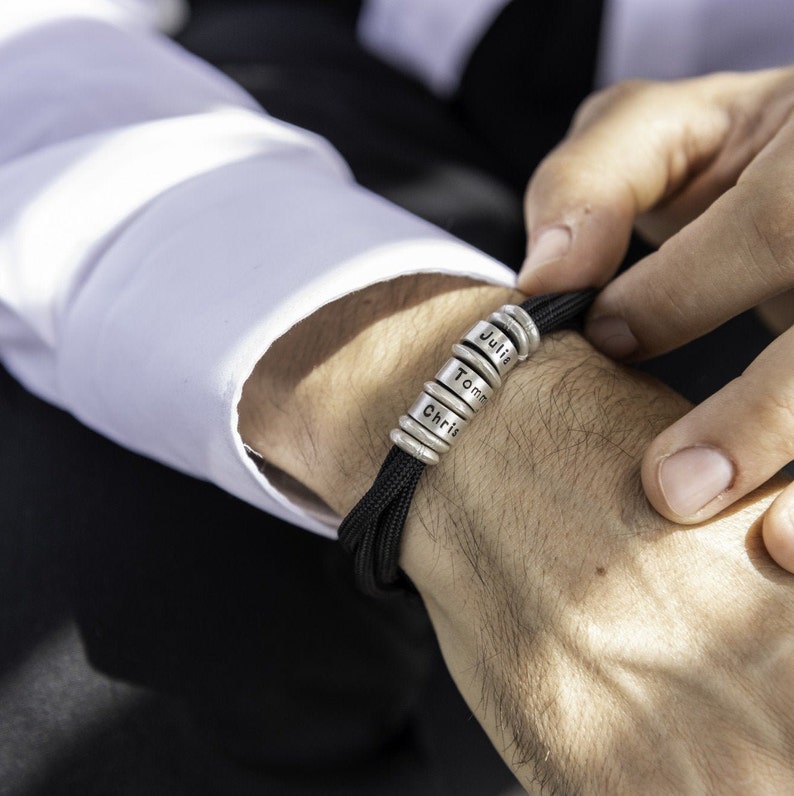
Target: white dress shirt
{"type": "Point", "coordinates": [158, 231]}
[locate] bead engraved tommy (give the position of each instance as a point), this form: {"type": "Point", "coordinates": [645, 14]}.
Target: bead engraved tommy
{"type": "Point", "coordinates": [466, 383]}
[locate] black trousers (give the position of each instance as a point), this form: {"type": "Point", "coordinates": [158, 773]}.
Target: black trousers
{"type": "Point", "coordinates": [242, 658]}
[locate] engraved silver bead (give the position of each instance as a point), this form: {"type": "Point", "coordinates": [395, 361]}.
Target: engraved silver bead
{"type": "Point", "coordinates": [514, 330]}
{"type": "Point", "coordinates": [420, 433]}
{"type": "Point", "coordinates": [449, 399]}
{"type": "Point", "coordinates": [525, 319]}
{"type": "Point", "coordinates": [476, 360]}
{"type": "Point", "coordinates": [437, 418]}
{"type": "Point", "coordinates": [410, 445]}
{"type": "Point", "coordinates": [491, 341]}
{"type": "Point", "coordinates": [464, 381]}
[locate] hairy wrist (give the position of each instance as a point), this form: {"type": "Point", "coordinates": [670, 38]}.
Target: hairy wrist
{"type": "Point", "coordinates": [321, 403]}
{"type": "Point", "coordinates": [566, 431]}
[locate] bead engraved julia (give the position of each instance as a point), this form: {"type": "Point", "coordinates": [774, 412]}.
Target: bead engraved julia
{"type": "Point", "coordinates": [494, 344]}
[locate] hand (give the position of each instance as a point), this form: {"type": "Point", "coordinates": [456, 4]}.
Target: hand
{"type": "Point", "coordinates": [603, 651]}
{"type": "Point", "coordinates": [707, 167]}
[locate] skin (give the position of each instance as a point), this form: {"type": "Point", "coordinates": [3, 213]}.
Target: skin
{"type": "Point", "coordinates": [602, 650]}
{"type": "Point", "coordinates": [705, 168]}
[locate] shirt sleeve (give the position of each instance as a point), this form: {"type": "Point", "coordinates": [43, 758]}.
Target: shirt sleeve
{"type": "Point", "coordinates": [683, 38]}
{"type": "Point", "coordinates": [158, 231]}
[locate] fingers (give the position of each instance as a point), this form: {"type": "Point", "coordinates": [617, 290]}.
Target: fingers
{"type": "Point", "coordinates": [778, 529]}
{"type": "Point", "coordinates": [629, 148]}
{"type": "Point", "coordinates": [728, 445]}
{"type": "Point", "coordinates": [735, 255]}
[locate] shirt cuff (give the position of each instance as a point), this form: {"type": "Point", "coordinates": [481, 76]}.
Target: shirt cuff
{"type": "Point", "coordinates": [155, 356]}
{"type": "Point", "coordinates": [152, 249]}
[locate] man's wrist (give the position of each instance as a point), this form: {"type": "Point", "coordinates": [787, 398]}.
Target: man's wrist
{"type": "Point", "coordinates": [551, 436]}
{"type": "Point", "coordinates": [322, 401]}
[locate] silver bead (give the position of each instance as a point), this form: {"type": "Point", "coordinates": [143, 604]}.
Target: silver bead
{"type": "Point", "coordinates": [491, 341]}
{"type": "Point", "coordinates": [449, 399]}
{"type": "Point", "coordinates": [476, 360]}
{"type": "Point", "coordinates": [465, 382]}
{"type": "Point", "coordinates": [525, 319]}
{"type": "Point", "coordinates": [420, 433]}
{"type": "Point", "coordinates": [514, 330]}
{"type": "Point", "coordinates": [414, 447]}
{"type": "Point", "coordinates": [437, 419]}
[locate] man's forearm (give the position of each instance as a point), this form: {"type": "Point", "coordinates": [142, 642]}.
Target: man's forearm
{"type": "Point", "coordinates": [603, 649]}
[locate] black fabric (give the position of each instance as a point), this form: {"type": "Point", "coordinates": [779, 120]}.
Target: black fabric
{"type": "Point", "coordinates": [533, 66]}
{"type": "Point", "coordinates": [302, 62]}
{"type": "Point", "coordinates": [372, 531]}
{"type": "Point", "coordinates": [247, 662]}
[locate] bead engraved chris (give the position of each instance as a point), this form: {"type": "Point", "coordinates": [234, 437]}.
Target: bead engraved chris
{"type": "Point", "coordinates": [494, 344]}
{"type": "Point", "coordinates": [435, 417]}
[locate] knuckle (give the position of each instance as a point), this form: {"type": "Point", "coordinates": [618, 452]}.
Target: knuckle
{"type": "Point", "coordinates": [603, 101]}
{"type": "Point", "coordinates": [564, 163]}
{"type": "Point", "coordinates": [768, 233]}
{"type": "Point", "coordinates": [780, 411]}
{"type": "Point", "coordinates": [772, 410]}
{"type": "Point", "coordinates": [557, 174]}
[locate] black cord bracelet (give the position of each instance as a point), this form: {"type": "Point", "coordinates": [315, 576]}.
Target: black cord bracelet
{"type": "Point", "coordinates": [372, 530]}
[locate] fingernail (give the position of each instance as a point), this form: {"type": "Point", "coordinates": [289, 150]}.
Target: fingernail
{"type": "Point", "coordinates": [550, 245]}
{"type": "Point", "coordinates": [691, 478]}
{"type": "Point", "coordinates": [611, 335]}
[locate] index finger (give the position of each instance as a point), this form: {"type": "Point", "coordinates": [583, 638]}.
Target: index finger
{"type": "Point", "coordinates": [732, 257]}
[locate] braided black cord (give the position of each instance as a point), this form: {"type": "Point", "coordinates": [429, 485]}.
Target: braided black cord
{"type": "Point", "coordinates": [371, 532]}
{"type": "Point", "coordinates": [557, 310]}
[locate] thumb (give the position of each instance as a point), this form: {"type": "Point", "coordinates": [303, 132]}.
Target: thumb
{"type": "Point", "coordinates": [778, 529]}
{"type": "Point", "coordinates": [728, 445]}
